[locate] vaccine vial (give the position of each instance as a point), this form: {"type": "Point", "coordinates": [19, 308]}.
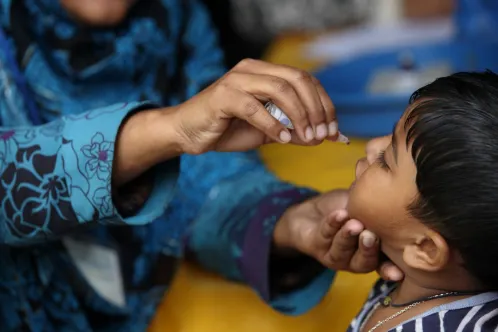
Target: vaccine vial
{"type": "Point", "coordinates": [278, 114]}
{"type": "Point", "coordinates": [283, 119]}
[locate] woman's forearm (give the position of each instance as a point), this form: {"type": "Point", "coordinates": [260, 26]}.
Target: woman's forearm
{"type": "Point", "coordinates": [145, 139]}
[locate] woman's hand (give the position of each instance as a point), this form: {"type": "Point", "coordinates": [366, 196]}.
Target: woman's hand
{"type": "Point", "coordinates": [321, 228]}
{"type": "Point", "coordinates": [230, 115]}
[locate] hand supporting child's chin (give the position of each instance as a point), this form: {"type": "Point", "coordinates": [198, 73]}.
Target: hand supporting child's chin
{"type": "Point", "coordinates": [321, 228]}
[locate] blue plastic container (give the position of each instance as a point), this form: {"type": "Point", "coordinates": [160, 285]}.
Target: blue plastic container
{"type": "Point", "coordinates": [368, 115]}
{"type": "Point", "coordinates": [363, 114]}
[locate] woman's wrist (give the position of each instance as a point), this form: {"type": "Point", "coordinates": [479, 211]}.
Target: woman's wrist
{"type": "Point", "coordinates": [145, 139]}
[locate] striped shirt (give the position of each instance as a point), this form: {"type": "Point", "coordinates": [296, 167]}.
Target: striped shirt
{"type": "Point", "coordinates": [473, 314]}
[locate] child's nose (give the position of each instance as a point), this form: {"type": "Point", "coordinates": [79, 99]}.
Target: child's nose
{"type": "Point", "coordinates": [361, 166]}
{"type": "Point", "coordinates": [375, 146]}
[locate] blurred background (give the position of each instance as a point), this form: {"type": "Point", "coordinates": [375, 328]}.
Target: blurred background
{"type": "Point", "coordinates": [365, 52]}
{"type": "Point", "coordinates": [248, 27]}
{"type": "Point", "coordinates": [370, 55]}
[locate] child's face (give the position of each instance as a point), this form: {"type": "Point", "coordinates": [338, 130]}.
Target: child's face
{"type": "Point", "coordinates": [384, 187]}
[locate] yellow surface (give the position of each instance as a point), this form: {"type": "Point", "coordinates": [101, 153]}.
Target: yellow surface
{"type": "Point", "coordinates": [201, 302]}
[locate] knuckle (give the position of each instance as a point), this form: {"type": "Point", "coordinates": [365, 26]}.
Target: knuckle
{"type": "Point", "coordinates": [219, 92]}
{"type": "Point", "coordinates": [300, 117]}
{"type": "Point", "coordinates": [335, 261]}
{"type": "Point", "coordinates": [316, 114]}
{"type": "Point", "coordinates": [251, 108]}
{"type": "Point", "coordinates": [303, 122]}
{"type": "Point", "coordinates": [228, 78]}
{"type": "Point", "coordinates": [222, 87]}
{"type": "Point", "coordinates": [315, 80]}
{"type": "Point", "coordinates": [281, 85]}
{"type": "Point", "coordinates": [365, 262]}
{"type": "Point", "coordinates": [344, 248]}
{"type": "Point", "coordinates": [344, 243]}
{"type": "Point", "coordinates": [245, 63]}
{"type": "Point", "coordinates": [303, 76]}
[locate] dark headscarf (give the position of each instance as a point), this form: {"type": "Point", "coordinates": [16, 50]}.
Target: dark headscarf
{"type": "Point", "coordinates": [67, 65]}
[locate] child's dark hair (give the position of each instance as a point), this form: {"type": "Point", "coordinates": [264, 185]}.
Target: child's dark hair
{"type": "Point", "coordinates": [453, 127]}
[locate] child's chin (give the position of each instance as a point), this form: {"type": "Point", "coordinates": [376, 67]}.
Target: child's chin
{"type": "Point", "coordinates": [351, 187]}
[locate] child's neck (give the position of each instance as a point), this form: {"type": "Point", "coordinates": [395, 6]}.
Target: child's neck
{"type": "Point", "coordinates": [412, 289]}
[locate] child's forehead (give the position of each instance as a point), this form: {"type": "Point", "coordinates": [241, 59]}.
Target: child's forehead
{"type": "Point", "coordinates": [401, 126]}
{"type": "Point", "coordinates": [407, 119]}
{"type": "Point", "coordinates": [400, 142]}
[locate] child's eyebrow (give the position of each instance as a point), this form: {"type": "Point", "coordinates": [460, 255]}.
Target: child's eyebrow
{"type": "Point", "coordinates": [394, 144]}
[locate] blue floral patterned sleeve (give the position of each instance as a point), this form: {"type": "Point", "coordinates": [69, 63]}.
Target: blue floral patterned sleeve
{"type": "Point", "coordinates": [56, 177]}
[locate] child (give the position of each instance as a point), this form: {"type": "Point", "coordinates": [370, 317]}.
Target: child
{"type": "Point", "coordinates": [432, 198]}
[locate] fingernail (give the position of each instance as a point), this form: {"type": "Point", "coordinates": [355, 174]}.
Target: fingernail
{"type": "Point", "coordinates": [285, 137]}
{"type": "Point", "coordinates": [342, 139]}
{"type": "Point", "coordinates": [308, 134]}
{"type": "Point", "coordinates": [333, 128]}
{"type": "Point", "coordinates": [368, 240]}
{"type": "Point", "coordinates": [321, 131]}
{"type": "Point", "coordinates": [355, 232]}
{"type": "Point", "coordinates": [341, 215]}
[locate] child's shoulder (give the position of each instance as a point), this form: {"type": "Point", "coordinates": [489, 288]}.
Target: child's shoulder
{"type": "Point", "coordinates": [479, 312]}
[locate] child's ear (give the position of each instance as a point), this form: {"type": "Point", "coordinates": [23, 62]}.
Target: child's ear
{"type": "Point", "coordinates": [430, 252]}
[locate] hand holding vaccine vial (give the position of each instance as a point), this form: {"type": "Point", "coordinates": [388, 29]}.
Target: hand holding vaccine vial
{"type": "Point", "coordinates": [283, 119]}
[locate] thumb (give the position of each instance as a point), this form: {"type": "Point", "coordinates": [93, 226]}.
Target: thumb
{"type": "Point", "coordinates": [241, 136]}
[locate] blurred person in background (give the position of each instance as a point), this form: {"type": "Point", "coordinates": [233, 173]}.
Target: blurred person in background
{"type": "Point", "coordinates": [97, 208]}
{"type": "Point", "coordinates": [247, 27]}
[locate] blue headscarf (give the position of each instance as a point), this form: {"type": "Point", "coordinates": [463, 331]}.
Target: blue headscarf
{"type": "Point", "coordinates": [68, 66]}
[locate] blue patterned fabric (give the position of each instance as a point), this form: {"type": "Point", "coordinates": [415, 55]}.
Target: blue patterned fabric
{"type": "Point", "coordinates": [55, 178]}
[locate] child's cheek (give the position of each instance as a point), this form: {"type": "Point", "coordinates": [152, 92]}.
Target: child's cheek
{"type": "Point", "coordinates": [368, 201]}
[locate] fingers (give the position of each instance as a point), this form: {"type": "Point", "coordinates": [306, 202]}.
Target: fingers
{"type": "Point", "coordinates": [244, 106]}
{"type": "Point", "coordinates": [344, 245]}
{"type": "Point", "coordinates": [280, 91]}
{"type": "Point", "coordinates": [296, 140]}
{"type": "Point", "coordinates": [333, 224]}
{"type": "Point", "coordinates": [366, 258]}
{"type": "Point", "coordinates": [327, 231]}
{"type": "Point", "coordinates": [319, 110]}
{"type": "Point", "coordinates": [389, 271]}
{"type": "Point", "coordinates": [329, 110]}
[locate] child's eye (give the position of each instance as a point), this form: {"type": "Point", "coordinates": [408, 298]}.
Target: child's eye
{"type": "Point", "coordinates": [381, 160]}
